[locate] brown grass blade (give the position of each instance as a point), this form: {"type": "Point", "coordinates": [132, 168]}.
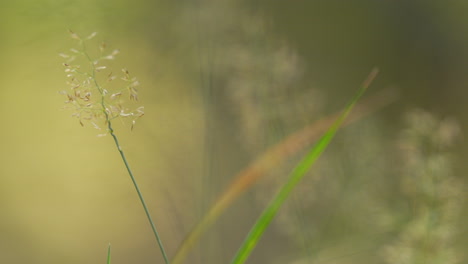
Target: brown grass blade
{"type": "Point", "coordinates": [272, 158]}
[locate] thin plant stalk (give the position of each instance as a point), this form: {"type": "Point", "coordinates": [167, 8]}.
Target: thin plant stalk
{"type": "Point", "coordinates": [140, 195]}
{"type": "Point", "coordinates": [129, 170]}
{"type": "Point", "coordinates": [109, 254]}
{"type": "Point", "coordinates": [110, 129]}
{"type": "Point", "coordinates": [295, 177]}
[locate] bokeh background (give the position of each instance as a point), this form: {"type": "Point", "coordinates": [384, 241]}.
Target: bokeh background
{"type": "Point", "coordinates": [221, 82]}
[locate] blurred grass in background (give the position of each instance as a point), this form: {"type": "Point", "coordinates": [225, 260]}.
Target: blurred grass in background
{"type": "Point", "coordinates": [221, 82]}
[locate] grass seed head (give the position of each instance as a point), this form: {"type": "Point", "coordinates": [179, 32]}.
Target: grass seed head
{"type": "Point", "coordinates": [91, 95]}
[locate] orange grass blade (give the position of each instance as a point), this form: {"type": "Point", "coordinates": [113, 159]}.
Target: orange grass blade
{"type": "Point", "coordinates": [296, 175]}
{"type": "Point", "coordinates": [274, 156]}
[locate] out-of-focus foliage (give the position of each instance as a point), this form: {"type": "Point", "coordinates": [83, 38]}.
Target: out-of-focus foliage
{"type": "Point", "coordinates": [434, 195]}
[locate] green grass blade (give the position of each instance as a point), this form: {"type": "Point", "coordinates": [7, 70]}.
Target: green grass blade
{"type": "Point", "coordinates": [296, 175]}
{"type": "Point", "coordinates": [109, 254]}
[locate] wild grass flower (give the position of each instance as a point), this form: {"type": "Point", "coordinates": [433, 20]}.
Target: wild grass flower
{"type": "Point", "coordinates": [432, 191]}
{"type": "Point", "coordinates": [96, 93]}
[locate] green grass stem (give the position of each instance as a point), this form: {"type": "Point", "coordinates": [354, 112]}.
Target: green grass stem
{"type": "Point", "coordinates": [140, 195]}
{"type": "Point", "coordinates": [109, 254]}
{"type": "Point", "coordinates": [122, 155]}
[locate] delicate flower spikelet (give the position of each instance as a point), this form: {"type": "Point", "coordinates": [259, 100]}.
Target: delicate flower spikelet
{"type": "Point", "coordinates": [95, 93]}
{"type": "Point", "coordinates": [433, 193]}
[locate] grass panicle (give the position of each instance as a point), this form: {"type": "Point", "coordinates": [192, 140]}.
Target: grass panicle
{"type": "Point", "coordinates": [433, 193]}
{"type": "Point", "coordinates": [99, 96]}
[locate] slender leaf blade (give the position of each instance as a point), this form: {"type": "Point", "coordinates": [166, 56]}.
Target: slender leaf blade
{"type": "Point", "coordinates": [295, 176]}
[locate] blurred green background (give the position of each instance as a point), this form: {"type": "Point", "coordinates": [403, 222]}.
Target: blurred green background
{"type": "Point", "coordinates": [221, 82]}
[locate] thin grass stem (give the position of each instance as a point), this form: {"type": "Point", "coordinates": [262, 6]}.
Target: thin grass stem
{"type": "Point", "coordinates": [122, 154]}
{"type": "Point", "coordinates": [140, 195]}
{"type": "Point", "coordinates": [109, 254]}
